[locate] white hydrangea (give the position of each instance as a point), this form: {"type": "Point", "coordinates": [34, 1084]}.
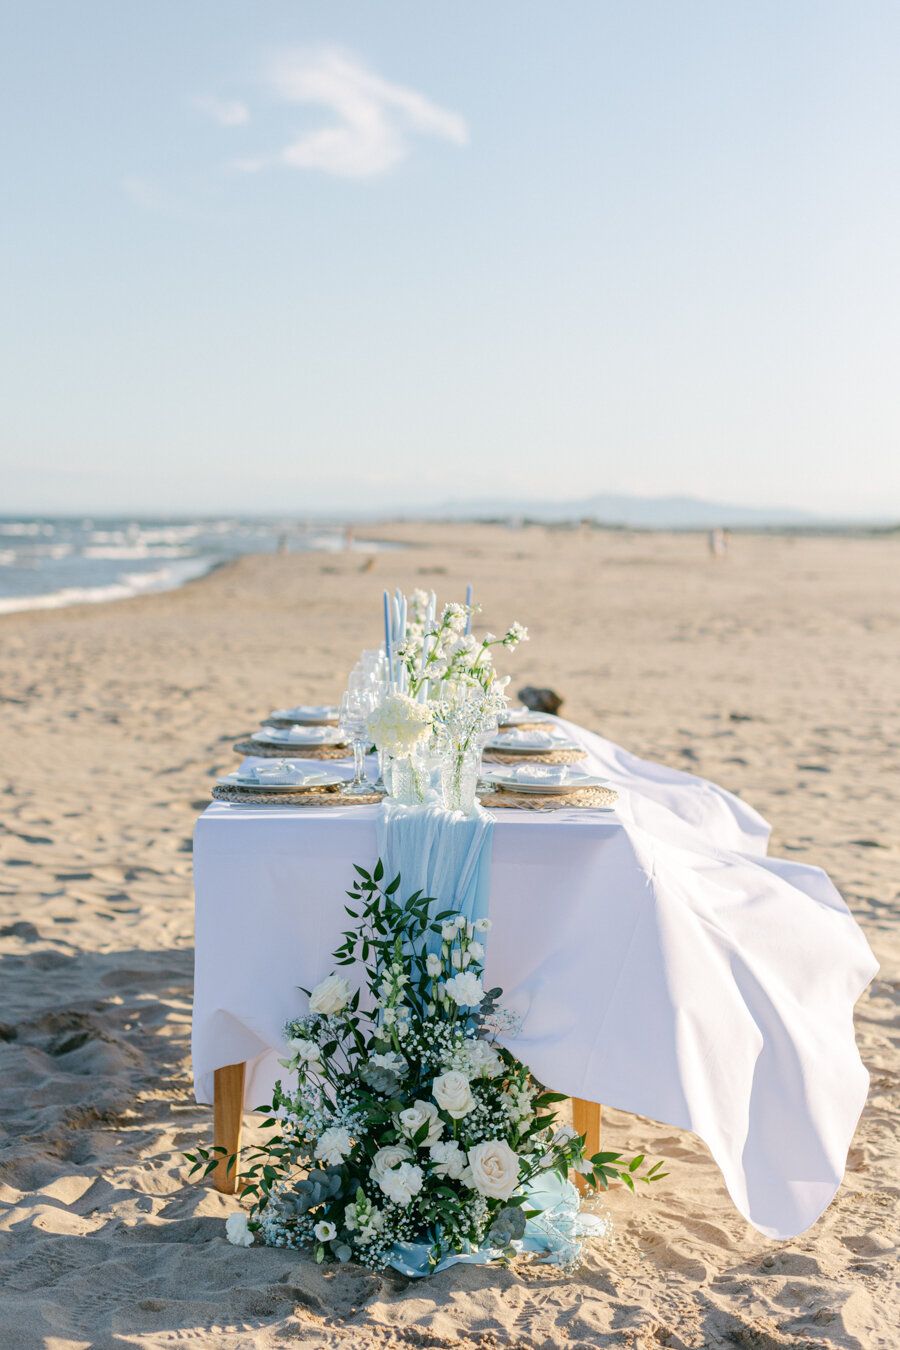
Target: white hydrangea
{"type": "Point", "coordinates": [399, 724]}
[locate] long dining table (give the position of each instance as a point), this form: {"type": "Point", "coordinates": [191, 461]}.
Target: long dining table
{"type": "Point", "coordinates": [652, 957]}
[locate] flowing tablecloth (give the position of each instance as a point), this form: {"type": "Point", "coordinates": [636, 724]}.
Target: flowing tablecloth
{"type": "Point", "coordinates": [660, 962]}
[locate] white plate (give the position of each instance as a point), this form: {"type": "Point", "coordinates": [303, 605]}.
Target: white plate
{"type": "Point", "coordinates": [299, 736]}
{"type": "Point", "coordinates": [308, 714]}
{"type": "Point", "coordinates": [520, 717]}
{"type": "Point", "coordinates": [529, 744]}
{"type": "Point", "coordinates": [510, 783]}
{"type": "Point", "coordinates": [325, 779]}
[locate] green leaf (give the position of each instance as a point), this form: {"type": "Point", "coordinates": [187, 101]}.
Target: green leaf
{"type": "Point", "coordinates": [379, 871]}
{"type": "Point", "coordinates": [635, 1163]}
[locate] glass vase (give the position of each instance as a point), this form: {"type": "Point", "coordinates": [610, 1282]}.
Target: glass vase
{"type": "Point", "coordinates": [460, 771]}
{"type": "Point", "coordinates": [408, 779]}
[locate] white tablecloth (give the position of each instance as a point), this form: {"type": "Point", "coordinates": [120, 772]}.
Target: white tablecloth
{"type": "Point", "coordinates": [661, 962]}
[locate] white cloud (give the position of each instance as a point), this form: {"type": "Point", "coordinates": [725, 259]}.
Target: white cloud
{"type": "Point", "coordinates": [227, 112]}
{"type": "Point", "coordinates": [376, 119]}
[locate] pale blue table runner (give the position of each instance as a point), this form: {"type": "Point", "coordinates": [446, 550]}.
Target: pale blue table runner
{"type": "Point", "coordinates": [448, 855]}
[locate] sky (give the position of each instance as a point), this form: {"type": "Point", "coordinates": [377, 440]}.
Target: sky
{"type": "Point", "coordinates": [313, 256]}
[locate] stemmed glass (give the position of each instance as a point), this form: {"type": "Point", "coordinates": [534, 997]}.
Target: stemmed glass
{"type": "Point", "coordinates": [356, 704]}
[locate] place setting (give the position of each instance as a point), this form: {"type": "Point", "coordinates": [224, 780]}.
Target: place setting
{"type": "Point", "coordinates": [283, 782]}
{"type": "Point", "coordinates": [305, 715]}
{"type": "Point", "coordinates": [545, 787]}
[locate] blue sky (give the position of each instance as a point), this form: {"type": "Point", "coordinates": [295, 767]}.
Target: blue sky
{"type": "Point", "coordinates": [310, 255]}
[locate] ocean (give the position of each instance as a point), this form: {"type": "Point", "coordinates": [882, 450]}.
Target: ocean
{"type": "Point", "coordinates": [47, 561]}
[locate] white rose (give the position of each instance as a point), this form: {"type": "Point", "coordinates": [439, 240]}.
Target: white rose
{"type": "Point", "coordinates": [466, 989]}
{"type": "Point", "coordinates": [333, 1145]}
{"type": "Point", "coordinates": [448, 932]}
{"type": "Point", "coordinates": [482, 925]}
{"type": "Point", "coordinates": [433, 965]}
{"type": "Point", "coordinates": [237, 1230]}
{"type": "Point", "coordinates": [386, 1158]}
{"type": "Point", "coordinates": [331, 996]}
{"type": "Point", "coordinates": [483, 1060]}
{"type": "Point", "coordinates": [325, 1231]}
{"type": "Point", "coordinates": [495, 1168]}
{"type": "Point", "coordinates": [417, 1115]}
{"type": "Point", "coordinates": [447, 1159]}
{"type": "Point", "coordinates": [452, 1093]}
{"type": "Point", "coordinates": [401, 1183]}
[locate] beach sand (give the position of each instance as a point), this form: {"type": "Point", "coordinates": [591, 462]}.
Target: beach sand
{"type": "Point", "coordinates": [773, 671]}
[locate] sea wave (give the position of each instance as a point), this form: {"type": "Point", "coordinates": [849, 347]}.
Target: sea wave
{"type": "Point", "coordinates": [128, 586]}
{"type": "Point", "coordinates": [135, 552]}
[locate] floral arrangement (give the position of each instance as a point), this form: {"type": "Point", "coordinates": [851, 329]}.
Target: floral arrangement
{"type": "Point", "coordinates": [408, 1123]}
{"type": "Point", "coordinates": [441, 650]}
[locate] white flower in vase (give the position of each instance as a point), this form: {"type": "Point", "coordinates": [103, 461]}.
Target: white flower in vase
{"type": "Point", "coordinates": [399, 725]}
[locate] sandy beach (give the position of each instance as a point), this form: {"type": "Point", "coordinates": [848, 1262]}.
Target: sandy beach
{"type": "Point", "coordinates": [772, 671]}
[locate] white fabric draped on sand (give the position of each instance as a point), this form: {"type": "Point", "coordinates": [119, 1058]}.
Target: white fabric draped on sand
{"type": "Point", "coordinates": [660, 963]}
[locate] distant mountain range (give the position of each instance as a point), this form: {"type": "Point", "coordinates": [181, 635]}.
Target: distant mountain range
{"type": "Point", "coordinates": [658, 513]}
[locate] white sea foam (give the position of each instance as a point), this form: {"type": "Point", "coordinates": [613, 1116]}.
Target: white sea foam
{"type": "Point", "coordinates": [134, 583]}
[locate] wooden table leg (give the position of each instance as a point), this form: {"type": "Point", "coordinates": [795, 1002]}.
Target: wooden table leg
{"type": "Point", "coordinates": [228, 1119]}
{"type": "Point", "coordinates": [586, 1120]}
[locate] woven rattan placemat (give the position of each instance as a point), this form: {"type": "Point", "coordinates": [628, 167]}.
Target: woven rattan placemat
{"type": "Point", "coordinates": [269, 751]}
{"type": "Point", "coordinates": [310, 797]}
{"type": "Point", "coordinates": [586, 798]}
{"type": "Point", "coordinates": [551, 757]}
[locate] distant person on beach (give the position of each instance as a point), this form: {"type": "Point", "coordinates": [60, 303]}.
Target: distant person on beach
{"type": "Point", "coordinates": [718, 543]}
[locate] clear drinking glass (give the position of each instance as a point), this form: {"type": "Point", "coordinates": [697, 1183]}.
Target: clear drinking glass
{"type": "Point", "coordinates": [356, 704]}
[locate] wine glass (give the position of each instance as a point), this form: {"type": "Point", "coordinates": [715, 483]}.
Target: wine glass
{"type": "Point", "coordinates": [356, 704]}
